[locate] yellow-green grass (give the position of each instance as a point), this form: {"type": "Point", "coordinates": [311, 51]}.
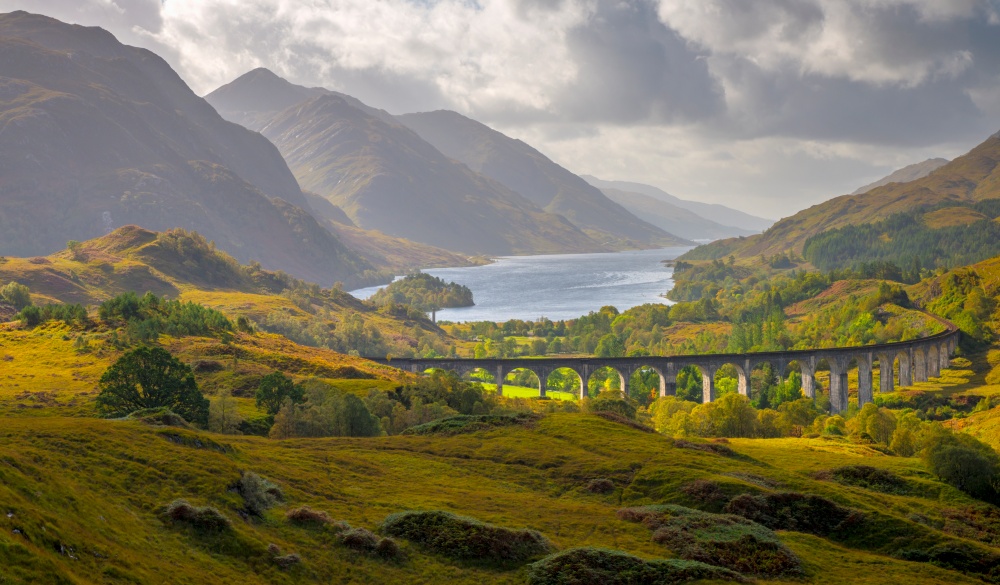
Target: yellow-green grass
{"type": "Point", "coordinates": [86, 493]}
{"type": "Point", "coordinates": [512, 391]}
{"type": "Point", "coordinates": [952, 217]}
{"type": "Point", "coordinates": [43, 373]}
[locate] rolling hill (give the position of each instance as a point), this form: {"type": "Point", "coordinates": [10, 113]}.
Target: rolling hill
{"type": "Point", "coordinates": [95, 134]}
{"type": "Point", "coordinates": [529, 172]}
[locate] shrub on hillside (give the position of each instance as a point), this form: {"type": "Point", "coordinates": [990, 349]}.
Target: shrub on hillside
{"type": "Point", "coordinates": [16, 295]}
{"type": "Point", "coordinates": [964, 462]}
{"type": "Point", "coordinates": [470, 423]}
{"type": "Point", "coordinates": [617, 406]}
{"type": "Point", "coordinates": [868, 477]}
{"type": "Point", "coordinates": [719, 539]}
{"type": "Point", "coordinates": [611, 567]}
{"type": "Point", "coordinates": [259, 494]}
{"type": "Point", "coordinates": [159, 417]}
{"type": "Point", "coordinates": [151, 378]}
{"type": "Point", "coordinates": [325, 412]}
{"type": "Point", "coordinates": [794, 511]}
{"type": "Point", "coordinates": [466, 538]}
{"type": "Point", "coordinates": [307, 516]}
{"type": "Point", "coordinates": [207, 518]}
{"type": "Point", "coordinates": [600, 485]}
{"type": "Point", "coordinates": [366, 541]}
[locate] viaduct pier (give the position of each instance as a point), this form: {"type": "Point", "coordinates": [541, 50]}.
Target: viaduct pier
{"type": "Point", "coordinates": [918, 360]}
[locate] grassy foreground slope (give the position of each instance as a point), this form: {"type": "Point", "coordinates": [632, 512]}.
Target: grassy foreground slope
{"type": "Point", "coordinates": [83, 499]}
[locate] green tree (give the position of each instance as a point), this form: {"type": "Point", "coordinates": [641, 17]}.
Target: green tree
{"type": "Point", "coordinates": [149, 377]}
{"type": "Point", "coordinates": [274, 388]}
{"type": "Point", "coordinates": [964, 462]}
{"type": "Point", "coordinates": [16, 295]}
{"type": "Point", "coordinates": [610, 346]}
{"type": "Point", "coordinates": [30, 316]}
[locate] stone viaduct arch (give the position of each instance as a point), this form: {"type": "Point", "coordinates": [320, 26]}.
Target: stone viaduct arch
{"type": "Point", "coordinates": [918, 359]}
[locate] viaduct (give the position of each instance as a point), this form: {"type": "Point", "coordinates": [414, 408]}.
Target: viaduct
{"type": "Point", "coordinates": [919, 359]}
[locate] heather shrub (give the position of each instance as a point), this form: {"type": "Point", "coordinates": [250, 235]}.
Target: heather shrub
{"type": "Point", "coordinates": [259, 494]}
{"type": "Point", "coordinates": [466, 538]}
{"type": "Point", "coordinates": [306, 516]}
{"type": "Point", "coordinates": [611, 567]}
{"type": "Point", "coordinates": [724, 540]}
{"type": "Point", "coordinates": [206, 518]}
{"type": "Point", "coordinates": [600, 486]}
{"type": "Point", "coordinates": [794, 511]}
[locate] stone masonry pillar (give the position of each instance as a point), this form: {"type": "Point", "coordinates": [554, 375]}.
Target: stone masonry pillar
{"type": "Point", "coordinates": [865, 384]}
{"type": "Point", "coordinates": [905, 377]}
{"type": "Point", "coordinates": [885, 374]}
{"type": "Point", "coordinates": [944, 356]}
{"type": "Point", "coordinates": [707, 384]}
{"type": "Point", "coordinates": [919, 365]}
{"type": "Point", "coordinates": [838, 387]}
{"type": "Point", "coordinates": [808, 380]}
{"type": "Point", "coordinates": [499, 376]}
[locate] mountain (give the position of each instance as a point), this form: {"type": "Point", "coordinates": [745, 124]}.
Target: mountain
{"type": "Point", "coordinates": [906, 174]}
{"type": "Point", "coordinates": [676, 220]}
{"type": "Point", "coordinates": [386, 178]}
{"type": "Point", "coordinates": [95, 134]}
{"type": "Point", "coordinates": [714, 212]}
{"type": "Point", "coordinates": [974, 176]}
{"type": "Point", "coordinates": [255, 97]}
{"type": "Point", "coordinates": [529, 172]}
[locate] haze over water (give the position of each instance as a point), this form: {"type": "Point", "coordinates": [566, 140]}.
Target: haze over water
{"type": "Point", "coordinates": [561, 286]}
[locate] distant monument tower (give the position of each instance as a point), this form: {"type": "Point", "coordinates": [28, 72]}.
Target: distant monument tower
{"type": "Point", "coordinates": [109, 225]}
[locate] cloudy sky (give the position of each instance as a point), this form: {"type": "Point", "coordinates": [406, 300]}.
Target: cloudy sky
{"type": "Point", "coordinates": [769, 106]}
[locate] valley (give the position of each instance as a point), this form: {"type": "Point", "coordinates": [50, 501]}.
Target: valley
{"type": "Point", "coordinates": [339, 311]}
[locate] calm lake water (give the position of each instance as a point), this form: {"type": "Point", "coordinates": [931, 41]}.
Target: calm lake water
{"type": "Point", "coordinates": [563, 286]}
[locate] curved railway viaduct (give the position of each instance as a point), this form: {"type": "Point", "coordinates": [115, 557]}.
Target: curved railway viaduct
{"type": "Point", "coordinates": [919, 359]}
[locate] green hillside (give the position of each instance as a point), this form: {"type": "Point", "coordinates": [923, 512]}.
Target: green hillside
{"type": "Point", "coordinates": [970, 178]}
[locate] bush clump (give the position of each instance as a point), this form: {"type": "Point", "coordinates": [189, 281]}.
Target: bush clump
{"type": "Point", "coordinates": [306, 516]}
{"type": "Point", "coordinates": [704, 491]}
{"type": "Point", "coordinates": [282, 560]}
{"type": "Point", "coordinates": [259, 495]}
{"type": "Point", "coordinates": [611, 567]}
{"type": "Point", "coordinates": [600, 485]}
{"type": "Point", "coordinates": [162, 416]}
{"type": "Point", "coordinates": [466, 538]}
{"type": "Point", "coordinates": [205, 518]}
{"type": "Point", "coordinates": [470, 423]}
{"type": "Point", "coordinates": [366, 541]}
{"type": "Point", "coordinates": [725, 540]}
{"type": "Point", "coordinates": [868, 477]}
{"type": "Point", "coordinates": [794, 511]}
{"type": "Point", "coordinates": [716, 448]}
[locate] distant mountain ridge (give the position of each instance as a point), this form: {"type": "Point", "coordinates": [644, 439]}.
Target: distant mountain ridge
{"type": "Point", "coordinates": [386, 177]}
{"type": "Point", "coordinates": [906, 174]}
{"type": "Point", "coordinates": [676, 220]}
{"type": "Point", "coordinates": [527, 171]}
{"type": "Point", "coordinates": [95, 134]}
{"type": "Point", "coordinates": [714, 212]}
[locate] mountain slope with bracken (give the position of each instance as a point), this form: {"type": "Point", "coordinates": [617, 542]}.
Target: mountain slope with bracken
{"type": "Point", "coordinates": [95, 134]}
{"type": "Point", "coordinates": [972, 177]}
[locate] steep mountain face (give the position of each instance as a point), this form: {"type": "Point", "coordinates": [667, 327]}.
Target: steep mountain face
{"type": "Point", "coordinates": [95, 134]}
{"type": "Point", "coordinates": [719, 214]}
{"type": "Point", "coordinates": [671, 218]}
{"type": "Point", "coordinates": [255, 97]}
{"type": "Point", "coordinates": [387, 178]}
{"type": "Point", "coordinates": [974, 176]}
{"type": "Point", "coordinates": [525, 170]}
{"type": "Point", "coordinates": [906, 174]}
